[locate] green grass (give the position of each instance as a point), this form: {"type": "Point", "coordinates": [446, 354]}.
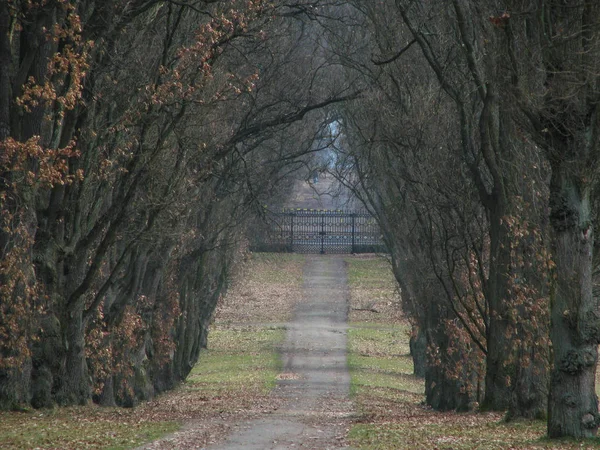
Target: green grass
{"type": "Point", "coordinates": [371, 273]}
{"type": "Point", "coordinates": [389, 340]}
{"type": "Point", "coordinates": [238, 360]}
{"type": "Point", "coordinates": [78, 427]}
{"type": "Point", "coordinates": [239, 367]}
{"type": "Point", "coordinates": [443, 436]}
{"type": "Point", "coordinates": [239, 364]}
{"type": "Point", "coordinates": [463, 432]}
{"type": "Point", "coordinates": [380, 366]}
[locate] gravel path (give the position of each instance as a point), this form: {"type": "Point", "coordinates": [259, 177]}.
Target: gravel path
{"type": "Point", "coordinates": [315, 381]}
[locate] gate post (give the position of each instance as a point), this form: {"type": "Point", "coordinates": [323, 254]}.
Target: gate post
{"type": "Point", "coordinates": [322, 234]}
{"type": "Point", "coordinates": [353, 230]}
{"type": "Point", "coordinates": [291, 232]}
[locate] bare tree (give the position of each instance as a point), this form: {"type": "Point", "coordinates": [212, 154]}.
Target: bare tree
{"type": "Point", "coordinates": [432, 51]}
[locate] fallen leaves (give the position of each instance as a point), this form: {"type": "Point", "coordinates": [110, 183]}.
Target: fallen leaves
{"type": "Point", "coordinates": [374, 294]}
{"type": "Point", "coordinates": [265, 291]}
{"type": "Point", "coordinates": [288, 376]}
{"type": "Point", "coordinates": [79, 427]}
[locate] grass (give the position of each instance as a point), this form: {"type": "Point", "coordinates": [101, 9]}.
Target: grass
{"type": "Point", "coordinates": [275, 268]}
{"type": "Point", "coordinates": [238, 361]}
{"type": "Point", "coordinates": [369, 272]}
{"type": "Point", "coordinates": [390, 400]}
{"type": "Point", "coordinates": [379, 367]}
{"type": "Point", "coordinates": [240, 367]}
{"type": "Point", "coordinates": [457, 435]}
{"type": "Point", "coordinates": [374, 297]}
{"type": "Point", "coordinates": [78, 427]}
{"type": "Point", "coordinates": [264, 290]}
{"type": "Point", "coordinates": [459, 432]}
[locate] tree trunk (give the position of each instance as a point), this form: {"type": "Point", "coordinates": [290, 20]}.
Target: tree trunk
{"type": "Point", "coordinates": [516, 369]}
{"type": "Point", "coordinates": [575, 319]}
{"type": "Point", "coordinates": [5, 65]}
{"type": "Point", "coordinates": [443, 390]}
{"type": "Point", "coordinates": [530, 291]}
{"type": "Point", "coordinates": [47, 354]}
{"type": "Point", "coordinates": [107, 396]}
{"type": "Point", "coordinates": [529, 396]}
{"type": "Point", "coordinates": [418, 351]}
{"type": "Point", "coordinates": [74, 386]}
{"type": "Point", "coordinates": [401, 259]}
{"type": "Point", "coordinates": [499, 369]}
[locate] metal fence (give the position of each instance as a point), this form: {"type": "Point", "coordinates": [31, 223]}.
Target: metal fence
{"type": "Point", "coordinates": [318, 231]}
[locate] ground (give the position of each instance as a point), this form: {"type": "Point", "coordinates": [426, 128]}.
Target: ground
{"type": "Point", "coordinates": [310, 406]}
{"type": "Point", "coordinates": [315, 410]}
{"type": "Point", "coordinates": [274, 376]}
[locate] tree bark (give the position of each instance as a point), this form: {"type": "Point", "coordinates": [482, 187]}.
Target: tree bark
{"type": "Point", "coordinates": [575, 317]}
{"type": "Point", "coordinates": [443, 390]}
{"type": "Point", "coordinates": [410, 306]}
{"type": "Point", "coordinates": [418, 351]}
{"type": "Point", "coordinates": [499, 371]}
{"type": "Point", "coordinates": [529, 394]}
{"type": "Point", "coordinates": [5, 66]}
{"type": "Point", "coordinates": [73, 384]}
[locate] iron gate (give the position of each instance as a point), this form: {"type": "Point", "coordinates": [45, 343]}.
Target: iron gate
{"type": "Point", "coordinates": [319, 231]}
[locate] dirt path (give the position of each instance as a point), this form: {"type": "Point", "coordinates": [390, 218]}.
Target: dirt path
{"type": "Point", "coordinates": [315, 381]}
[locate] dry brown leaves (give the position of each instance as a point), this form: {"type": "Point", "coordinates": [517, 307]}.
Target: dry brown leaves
{"type": "Point", "coordinates": [206, 419]}
{"type": "Point", "coordinates": [265, 291]}
{"type": "Point", "coordinates": [367, 305]}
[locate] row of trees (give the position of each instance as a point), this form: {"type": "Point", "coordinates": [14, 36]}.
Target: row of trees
{"type": "Point", "coordinates": [477, 147]}
{"type": "Point", "coordinates": [136, 140]}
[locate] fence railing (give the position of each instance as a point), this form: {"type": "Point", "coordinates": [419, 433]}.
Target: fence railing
{"type": "Point", "coordinates": [303, 230]}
